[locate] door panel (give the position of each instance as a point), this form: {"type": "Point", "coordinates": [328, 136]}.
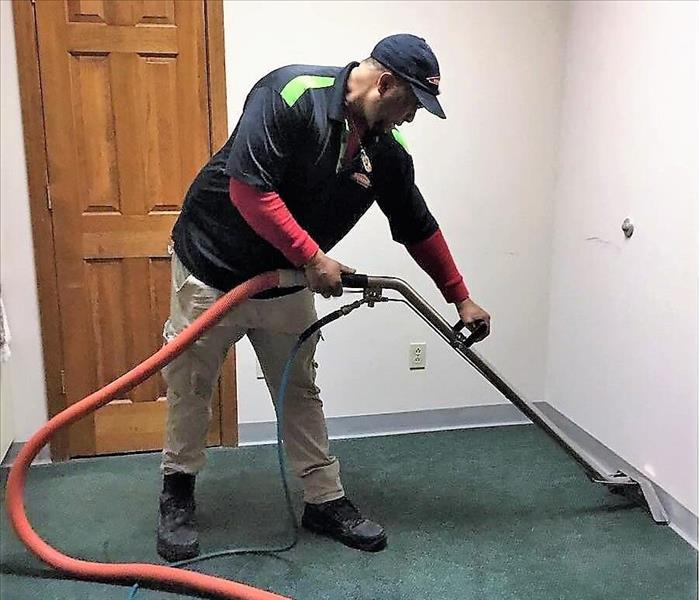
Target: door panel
{"type": "Point", "coordinates": [126, 113]}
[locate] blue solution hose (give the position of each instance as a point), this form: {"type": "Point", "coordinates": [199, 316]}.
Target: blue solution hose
{"type": "Point", "coordinates": [283, 469]}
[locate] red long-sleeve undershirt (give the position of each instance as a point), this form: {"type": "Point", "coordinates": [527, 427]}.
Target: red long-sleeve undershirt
{"type": "Point", "coordinates": [434, 257]}
{"type": "Point", "coordinates": [270, 218]}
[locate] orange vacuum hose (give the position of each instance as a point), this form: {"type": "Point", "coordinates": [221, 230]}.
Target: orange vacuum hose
{"type": "Point", "coordinates": [131, 572]}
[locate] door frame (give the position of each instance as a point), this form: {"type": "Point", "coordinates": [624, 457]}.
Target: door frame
{"type": "Point", "coordinates": [26, 42]}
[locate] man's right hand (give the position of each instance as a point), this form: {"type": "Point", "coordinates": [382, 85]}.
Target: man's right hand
{"type": "Point", "coordinates": [324, 275]}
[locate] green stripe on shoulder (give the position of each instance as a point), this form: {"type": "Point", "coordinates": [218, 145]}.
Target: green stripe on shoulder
{"type": "Point", "coordinates": [400, 139]}
{"type": "Point", "coordinates": [298, 85]}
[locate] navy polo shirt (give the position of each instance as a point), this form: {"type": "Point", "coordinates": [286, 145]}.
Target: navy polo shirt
{"type": "Point", "coordinates": [290, 139]}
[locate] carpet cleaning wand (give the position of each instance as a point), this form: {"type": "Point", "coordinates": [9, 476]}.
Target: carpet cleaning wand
{"type": "Point", "coordinates": [638, 489]}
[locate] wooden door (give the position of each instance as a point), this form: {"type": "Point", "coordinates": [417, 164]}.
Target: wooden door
{"type": "Point", "coordinates": [126, 117]}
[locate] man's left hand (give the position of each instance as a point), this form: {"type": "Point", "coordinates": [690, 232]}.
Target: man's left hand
{"type": "Point", "coordinates": [470, 313]}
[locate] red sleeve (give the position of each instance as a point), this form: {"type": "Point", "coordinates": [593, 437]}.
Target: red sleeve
{"type": "Point", "coordinates": [435, 259]}
{"type": "Point", "coordinates": [269, 217]}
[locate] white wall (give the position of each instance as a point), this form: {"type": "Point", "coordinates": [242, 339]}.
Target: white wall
{"type": "Point", "coordinates": [487, 173]}
{"type": "Point", "coordinates": [623, 329]}
{"type": "Point", "coordinates": [23, 394]}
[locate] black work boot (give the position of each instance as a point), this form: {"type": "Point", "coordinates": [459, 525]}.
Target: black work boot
{"type": "Point", "coordinates": [342, 521]}
{"type": "Point", "coordinates": [177, 533]}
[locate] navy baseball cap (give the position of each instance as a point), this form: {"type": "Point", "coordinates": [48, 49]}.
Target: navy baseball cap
{"type": "Point", "coordinates": [409, 57]}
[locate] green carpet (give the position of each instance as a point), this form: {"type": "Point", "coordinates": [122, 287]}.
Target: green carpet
{"type": "Point", "coordinates": [482, 514]}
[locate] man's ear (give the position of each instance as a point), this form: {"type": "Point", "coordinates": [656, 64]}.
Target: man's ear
{"type": "Point", "coordinates": [385, 82]}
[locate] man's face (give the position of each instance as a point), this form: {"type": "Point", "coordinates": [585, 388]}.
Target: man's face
{"type": "Point", "coordinates": [391, 104]}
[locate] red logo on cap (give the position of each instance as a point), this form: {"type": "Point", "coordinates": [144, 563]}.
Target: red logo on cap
{"type": "Point", "coordinates": [434, 80]}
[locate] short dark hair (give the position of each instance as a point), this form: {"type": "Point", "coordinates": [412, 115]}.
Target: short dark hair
{"type": "Point", "coordinates": [372, 62]}
{"type": "Point", "coordinates": [379, 66]}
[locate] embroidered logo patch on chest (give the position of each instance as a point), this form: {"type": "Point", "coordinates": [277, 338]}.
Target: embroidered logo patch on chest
{"type": "Point", "coordinates": [362, 180]}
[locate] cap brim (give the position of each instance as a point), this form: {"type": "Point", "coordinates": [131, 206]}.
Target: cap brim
{"type": "Point", "coordinates": [429, 101]}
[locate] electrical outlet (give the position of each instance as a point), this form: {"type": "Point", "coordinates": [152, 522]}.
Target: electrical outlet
{"type": "Point", "coordinates": [258, 370]}
{"type": "Point", "coordinates": [418, 355]}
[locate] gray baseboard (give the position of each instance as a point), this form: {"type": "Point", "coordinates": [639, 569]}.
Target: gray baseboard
{"type": "Point", "coordinates": [44, 456]}
{"type": "Point", "coordinates": [439, 419]}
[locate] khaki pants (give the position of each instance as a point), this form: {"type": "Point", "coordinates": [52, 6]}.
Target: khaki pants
{"type": "Point", "coordinates": [272, 326]}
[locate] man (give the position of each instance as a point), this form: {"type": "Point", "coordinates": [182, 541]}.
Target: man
{"type": "Point", "coordinates": [314, 148]}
